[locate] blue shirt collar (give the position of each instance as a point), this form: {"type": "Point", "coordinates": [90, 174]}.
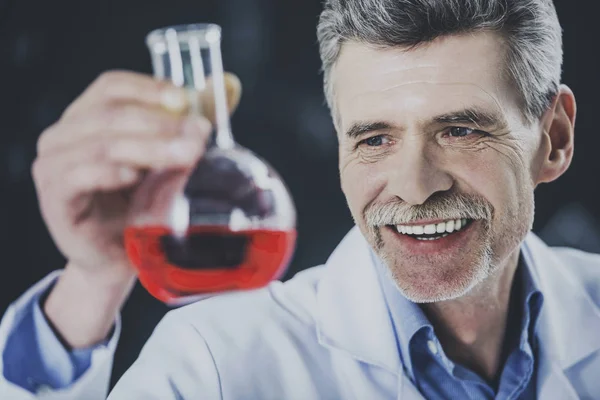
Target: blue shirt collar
{"type": "Point", "coordinates": [409, 320]}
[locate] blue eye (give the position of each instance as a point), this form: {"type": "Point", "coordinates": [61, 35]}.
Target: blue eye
{"type": "Point", "coordinates": [459, 131]}
{"type": "Point", "coordinates": [374, 141]}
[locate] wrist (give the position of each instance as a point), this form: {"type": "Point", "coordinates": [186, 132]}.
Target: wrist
{"type": "Point", "coordinates": [84, 304]}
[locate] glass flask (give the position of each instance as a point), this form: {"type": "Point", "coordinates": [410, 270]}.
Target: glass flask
{"type": "Point", "coordinates": [227, 224]}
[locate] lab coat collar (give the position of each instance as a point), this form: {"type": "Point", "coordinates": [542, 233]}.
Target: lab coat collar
{"type": "Point", "coordinates": [352, 314]}
{"type": "Point", "coordinates": [570, 320]}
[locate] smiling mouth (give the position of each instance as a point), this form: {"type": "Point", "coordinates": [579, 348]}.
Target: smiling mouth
{"type": "Point", "coordinates": [432, 231]}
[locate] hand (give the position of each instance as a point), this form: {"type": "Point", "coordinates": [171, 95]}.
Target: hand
{"type": "Point", "coordinates": [88, 165]}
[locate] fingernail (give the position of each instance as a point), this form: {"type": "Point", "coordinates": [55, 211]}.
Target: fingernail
{"type": "Point", "coordinates": [173, 99]}
{"type": "Point", "coordinates": [193, 126]}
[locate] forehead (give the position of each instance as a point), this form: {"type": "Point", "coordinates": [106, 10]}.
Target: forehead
{"type": "Point", "coordinates": [448, 74]}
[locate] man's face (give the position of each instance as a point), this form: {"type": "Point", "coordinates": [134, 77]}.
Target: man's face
{"type": "Point", "coordinates": [434, 136]}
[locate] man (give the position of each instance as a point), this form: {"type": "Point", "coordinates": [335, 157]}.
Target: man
{"type": "Point", "coordinates": [449, 113]}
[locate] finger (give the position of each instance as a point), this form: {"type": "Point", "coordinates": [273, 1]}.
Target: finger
{"type": "Point", "coordinates": [98, 167]}
{"type": "Point", "coordinates": [95, 177]}
{"type": "Point", "coordinates": [120, 86]}
{"type": "Point", "coordinates": [156, 153]}
{"type": "Point", "coordinates": [125, 86]}
{"type": "Point", "coordinates": [58, 183]}
{"type": "Point", "coordinates": [125, 119]}
{"type": "Point", "coordinates": [135, 152]}
{"type": "Point", "coordinates": [74, 193]}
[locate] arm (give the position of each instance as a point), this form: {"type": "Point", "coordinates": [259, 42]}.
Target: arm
{"type": "Point", "coordinates": [34, 361]}
{"type": "Point", "coordinates": [84, 174]}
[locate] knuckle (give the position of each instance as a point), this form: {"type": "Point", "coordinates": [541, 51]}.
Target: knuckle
{"type": "Point", "coordinates": [103, 81]}
{"type": "Point", "coordinates": [45, 138]}
{"type": "Point", "coordinates": [35, 169]}
{"type": "Point", "coordinates": [69, 111]}
{"type": "Point", "coordinates": [39, 173]}
{"type": "Point", "coordinates": [109, 78]}
{"type": "Point", "coordinates": [74, 108]}
{"type": "Point", "coordinates": [108, 82]}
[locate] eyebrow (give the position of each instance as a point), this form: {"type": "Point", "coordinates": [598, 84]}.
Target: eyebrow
{"type": "Point", "coordinates": [360, 128]}
{"type": "Point", "coordinates": [472, 115]}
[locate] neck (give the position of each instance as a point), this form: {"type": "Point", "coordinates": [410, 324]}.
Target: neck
{"type": "Point", "coordinates": [472, 328]}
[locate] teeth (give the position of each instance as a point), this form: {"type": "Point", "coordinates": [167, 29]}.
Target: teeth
{"type": "Point", "coordinates": [429, 229]}
{"type": "Point", "coordinates": [434, 238]}
{"type": "Point", "coordinates": [446, 227]}
{"type": "Point", "coordinates": [441, 227]}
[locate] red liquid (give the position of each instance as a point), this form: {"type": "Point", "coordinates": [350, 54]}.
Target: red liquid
{"type": "Point", "coordinates": [208, 259]}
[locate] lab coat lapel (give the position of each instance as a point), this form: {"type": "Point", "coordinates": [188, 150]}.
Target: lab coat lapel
{"type": "Point", "coordinates": [552, 383]}
{"type": "Point", "coordinates": [352, 314]}
{"type": "Point", "coordinates": [569, 321]}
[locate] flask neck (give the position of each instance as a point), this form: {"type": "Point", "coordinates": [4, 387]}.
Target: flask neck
{"type": "Point", "coordinates": [190, 57]}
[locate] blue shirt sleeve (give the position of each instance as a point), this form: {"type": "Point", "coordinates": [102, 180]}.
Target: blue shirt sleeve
{"type": "Point", "coordinates": [34, 356]}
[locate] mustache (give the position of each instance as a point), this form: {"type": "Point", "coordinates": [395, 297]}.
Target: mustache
{"type": "Point", "coordinates": [439, 206]}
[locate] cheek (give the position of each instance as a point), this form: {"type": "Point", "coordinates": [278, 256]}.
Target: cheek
{"type": "Point", "coordinates": [361, 184]}
{"type": "Point", "coordinates": [501, 182]}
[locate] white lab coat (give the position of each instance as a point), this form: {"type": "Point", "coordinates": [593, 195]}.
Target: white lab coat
{"type": "Point", "coordinates": [326, 334]}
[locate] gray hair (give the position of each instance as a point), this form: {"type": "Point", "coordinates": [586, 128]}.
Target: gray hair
{"type": "Point", "coordinates": [530, 29]}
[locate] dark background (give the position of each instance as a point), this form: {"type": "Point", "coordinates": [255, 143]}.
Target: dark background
{"type": "Point", "coordinates": [51, 50]}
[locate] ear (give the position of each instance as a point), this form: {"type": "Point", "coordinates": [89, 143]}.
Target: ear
{"type": "Point", "coordinates": [558, 126]}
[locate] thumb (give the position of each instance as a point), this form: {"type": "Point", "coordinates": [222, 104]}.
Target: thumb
{"type": "Point", "coordinates": [233, 92]}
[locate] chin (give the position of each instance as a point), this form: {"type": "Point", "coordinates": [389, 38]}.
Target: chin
{"type": "Point", "coordinates": [433, 282]}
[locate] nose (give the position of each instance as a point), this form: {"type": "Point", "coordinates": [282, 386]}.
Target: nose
{"type": "Point", "coordinates": [418, 172]}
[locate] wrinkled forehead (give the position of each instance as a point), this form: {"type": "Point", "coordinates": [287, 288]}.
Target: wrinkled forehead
{"type": "Point", "coordinates": [417, 84]}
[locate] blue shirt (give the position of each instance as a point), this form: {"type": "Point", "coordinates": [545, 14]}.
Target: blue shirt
{"type": "Point", "coordinates": [35, 357]}
{"type": "Point", "coordinates": [436, 376]}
